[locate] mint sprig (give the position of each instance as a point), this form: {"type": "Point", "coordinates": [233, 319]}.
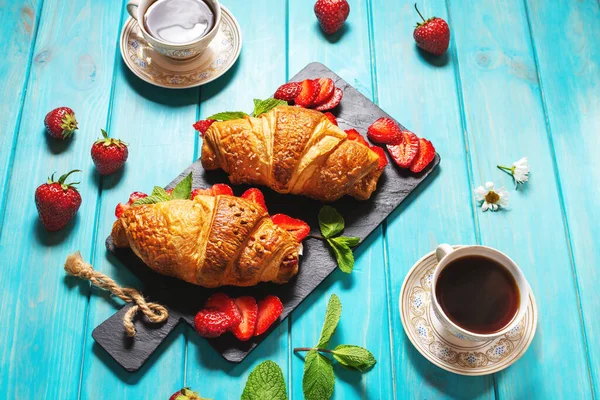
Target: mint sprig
{"type": "Point", "coordinates": [182, 191]}
{"type": "Point", "coordinates": [332, 223]}
{"type": "Point", "coordinates": [263, 106]}
{"type": "Point", "coordinates": [265, 382]}
{"type": "Point", "coordinates": [318, 380]}
{"type": "Point", "coordinates": [228, 115]}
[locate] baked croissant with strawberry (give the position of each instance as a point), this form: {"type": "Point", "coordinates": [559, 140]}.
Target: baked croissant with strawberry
{"type": "Point", "coordinates": [292, 150]}
{"type": "Point", "coordinates": [209, 241]}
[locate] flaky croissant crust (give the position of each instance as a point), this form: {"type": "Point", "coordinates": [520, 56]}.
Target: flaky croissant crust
{"type": "Point", "coordinates": [292, 150]}
{"type": "Point", "coordinates": [210, 241]}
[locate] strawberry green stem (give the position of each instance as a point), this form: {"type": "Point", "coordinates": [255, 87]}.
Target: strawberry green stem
{"type": "Point", "coordinates": [297, 349]}
{"type": "Point", "coordinates": [419, 12]}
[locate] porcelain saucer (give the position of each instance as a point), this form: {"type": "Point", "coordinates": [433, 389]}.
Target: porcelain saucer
{"type": "Point", "coordinates": [444, 349]}
{"type": "Point", "coordinates": [158, 70]}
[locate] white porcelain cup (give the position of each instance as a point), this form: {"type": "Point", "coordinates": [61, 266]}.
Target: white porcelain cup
{"type": "Point", "coordinates": [445, 255]}
{"type": "Point", "coordinates": [137, 9]}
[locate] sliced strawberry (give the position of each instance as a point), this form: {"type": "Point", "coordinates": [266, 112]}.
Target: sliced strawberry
{"type": "Point", "coordinates": [405, 152]}
{"type": "Point", "coordinates": [385, 131]}
{"type": "Point", "coordinates": [298, 228]}
{"type": "Point", "coordinates": [326, 88]}
{"type": "Point", "coordinates": [383, 161]}
{"type": "Point", "coordinates": [309, 90]}
{"type": "Point", "coordinates": [269, 309]}
{"type": "Point", "coordinates": [203, 125]}
{"type": "Point", "coordinates": [169, 191]}
{"type": "Point", "coordinates": [333, 101]}
{"type": "Point", "coordinates": [255, 195]}
{"type": "Point", "coordinates": [220, 301]}
{"type": "Point", "coordinates": [331, 117]}
{"type": "Point", "coordinates": [221, 189]}
{"type": "Point", "coordinates": [424, 157]}
{"type": "Point", "coordinates": [247, 306]}
{"type": "Point", "coordinates": [288, 91]}
{"type": "Point", "coordinates": [355, 135]}
{"type": "Point", "coordinates": [133, 197]}
{"type": "Point", "coordinates": [120, 209]}
{"type": "Point", "coordinates": [211, 323]}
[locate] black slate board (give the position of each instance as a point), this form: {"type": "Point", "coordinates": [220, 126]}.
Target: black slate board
{"type": "Point", "coordinates": [183, 300]}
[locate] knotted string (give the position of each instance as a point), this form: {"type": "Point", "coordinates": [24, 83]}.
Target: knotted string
{"type": "Point", "coordinates": [153, 311]}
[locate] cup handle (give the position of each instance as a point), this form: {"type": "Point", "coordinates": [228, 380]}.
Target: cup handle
{"type": "Point", "coordinates": [132, 8]}
{"type": "Point", "coordinates": [442, 251]}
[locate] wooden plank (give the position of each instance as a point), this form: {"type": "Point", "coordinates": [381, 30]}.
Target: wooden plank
{"type": "Point", "coordinates": [365, 317]}
{"type": "Point", "coordinates": [420, 91]}
{"type": "Point", "coordinates": [260, 69]}
{"type": "Point", "coordinates": [18, 29]}
{"type": "Point", "coordinates": [565, 40]}
{"type": "Point", "coordinates": [44, 313]}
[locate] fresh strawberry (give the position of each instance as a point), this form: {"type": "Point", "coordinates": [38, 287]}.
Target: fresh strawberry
{"type": "Point", "coordinates": [186, 394]}
{"type": "Point", "coordinates": [309, 90]}
{"type": "Point", "coordinates": [383, 161]}
{"type": "Point", "coordinates": [169, 191]}
{"type": "Point", "coordinates": [248, 307]}
{"type": "Point", "coordinates": [298, 228]}
{"type": "Point", "coordinates": [331, 14]}
{"type": "Point", "coordinates": [424, 157]}
{"type": "Point", "coordinates": [255, 195]}
{"type": "Point", "coordinates": [269, 310]}
{"type": "Point", "coordinates": [211, 323]}
{"type": "Point", "coordinates": [120, 209]}
{"type": "Point", "coordinates": [109, 154]}
{"type": "Point", "coordinates": [203, 125]}
{"type": "Point", "coordinates": [57, 202]}
{"type": "Point", "coordinates": [214, 190]}
{"type": "Point", "coordinates": [288, 91]}
{"type": "Point", "coordinates": [384, 131]}
{"type": "Point", "coordinates": [60, 123]}
{"type": "Point", "coordinates": [331, 117]}
{"type": "Point", "coordinates": [133, 197]}
{"type": "Point", "coordinates": [326, 89]}
{"type": "Point", "coordinates": [332, 102]}
{"type": "Point", "coordinates": [355, 135]}
{"type": "Point", "coordinates": [201, 192]}
{"type": "Point", "coordinates": [432, 35]}
{"type": "Point", "coordinates": [220, 301]}
{"type": "Point", "coordinates": [405, 152]}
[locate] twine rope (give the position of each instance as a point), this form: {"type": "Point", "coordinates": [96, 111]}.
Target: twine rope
{"type": "Point", "coordinates": [155, 312]}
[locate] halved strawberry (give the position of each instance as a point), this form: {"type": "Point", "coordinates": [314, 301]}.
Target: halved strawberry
{"type": "Point", "coordinates": [298, 228]}
{"type": "Point", "coordinates": [203, 125]}
{"type": "Point", "coordinates": [405, 152]}
{"type": "Point", "coordinates": [255, 195]}
{"type": "Point", "coordinates": [326, 88]}
{"type": "Point", "coordinates": [133, 197]}
{"type": "Point", "coordinates": [309, 90]}
{"type": "Point", "coordinates": [211, 323]}
{"type": "Point", "coordinates": [331, 117]}
{"type": "Point", "coordinates": [248, 308]}
{"type": "Point", "coordinates": [269, 309]}
{"type": "Point", "coordinates": [333, 101]}
{"type": "Point", "coordinates": [384, 131]}
{"type": "Point", "coordinates": [220, 301]}
{"type": "Point", "coordinates": [355, 135]}
{"type": "Point", "coordinates": [424, 157]}
{"type": "Point", "coordinates": [288, 91]}
{"type": "Point", "coordinates": [383, 161]}
{"type": "Point", "coordinates": [120, 209]}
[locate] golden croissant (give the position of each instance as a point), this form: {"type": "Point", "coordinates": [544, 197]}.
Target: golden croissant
{"type": "Point", "coordinates": [209, 241]}
{"type": "Point", "coordinates": [292, 150]}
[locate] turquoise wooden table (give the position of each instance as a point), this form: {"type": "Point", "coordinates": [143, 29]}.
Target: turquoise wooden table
{"type": "Point", "coordinates": [521, 78]}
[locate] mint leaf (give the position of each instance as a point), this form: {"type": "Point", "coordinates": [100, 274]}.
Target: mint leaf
{"type": "Point", "coordinates": [228, 115]}
{"type": "Point", "coordinates": [152, 199]}
{"type": "Point", "coordinates": [331, 222]}
{"type": "Point", "coordinates": [354, 357]}
{"type": "Point", "coordinates": [343, 255]}
{"type": "Point", "coordinates": [265, 383]}
{"type": "Point", "coordinates": [263, 106]}
{"type": "Point", "coordinates": [158, 191]}
{"type": "Point", "coordinates": [318, 379]}
{"type": "Point", "coordinates": [332, 318]}
{"type": "Point", "coordinates": [347, 240]}
{"type": "Point", "coordinates": [183, 190]}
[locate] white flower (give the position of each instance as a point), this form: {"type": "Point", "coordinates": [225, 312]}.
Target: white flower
{"type": "Point", "coordinates": [492, 199]}
{"type": "Point", "coordinates": [519, 170]}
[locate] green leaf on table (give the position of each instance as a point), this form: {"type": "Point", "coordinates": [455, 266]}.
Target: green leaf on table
{"type": "Point", "coordinates": [228, 115]}
{"type": "Point", "coordinates": [318, 380]}
{"type": "Point", "coordinates": [354, 357]}
{"type": "Point", "coordinates": [183, 190]}
{"type": "Point", "coordinates": [263, 106]}
{"type": "Point", "coordinates": [332, 318]}
{"type": "Point", "coordinates": [343, 254]}
{"type": "Point", "coordinates": [265, 382]}
{"type": "Point", "coordinates": [331, 222]}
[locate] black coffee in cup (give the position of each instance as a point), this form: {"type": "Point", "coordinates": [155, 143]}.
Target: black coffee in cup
{"type": "Point", "coordinates": [478, 294]}
{"type": "Point", "coordinates": [179, 21]}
